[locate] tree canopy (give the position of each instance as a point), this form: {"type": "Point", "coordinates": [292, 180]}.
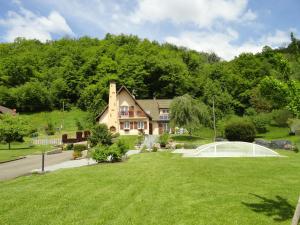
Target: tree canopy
{"type": "Point", "coordinates": [37, 76]}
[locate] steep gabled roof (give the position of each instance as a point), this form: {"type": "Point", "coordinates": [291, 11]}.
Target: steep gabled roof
{"type": "Point", "coordinates": [136, 102]}
{"type": "Point", "coordinates": [152, 106]}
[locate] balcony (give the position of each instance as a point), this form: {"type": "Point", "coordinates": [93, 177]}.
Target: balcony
{"type": "Point", "coordinates": [164, 117]}
{"type": "Point", "coordinates": [129, 114]}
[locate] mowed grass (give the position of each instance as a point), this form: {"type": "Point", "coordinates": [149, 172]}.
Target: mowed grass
{"type": "Point", "coordinates": [158, 189]}
{"type": "Point", "coordinates": [20, 149]}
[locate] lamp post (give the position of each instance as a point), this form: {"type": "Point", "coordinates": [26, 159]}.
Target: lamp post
{"type": "Point", "coordinates": [214, 119]}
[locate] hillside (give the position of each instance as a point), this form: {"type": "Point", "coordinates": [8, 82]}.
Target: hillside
{"type": "Point", "coordinates": [37, 76]}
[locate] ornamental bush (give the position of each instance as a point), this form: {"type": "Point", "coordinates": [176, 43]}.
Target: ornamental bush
{"type": "Point", "coordinates": [112, 153]}
{"type": "Point", "coordinates": [240, 130]}
{"type": "Point", "coordinates": [79, 147]}
{"type": "Point", "coordinates": [261, 122]}
{"type": "Point", "coordinates": [281, 117]}
{"type": "Point", "coordinates": [163, 140]}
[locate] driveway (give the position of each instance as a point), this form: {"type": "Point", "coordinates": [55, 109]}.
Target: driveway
{"type": "Point", "coordinates": [21, 167]}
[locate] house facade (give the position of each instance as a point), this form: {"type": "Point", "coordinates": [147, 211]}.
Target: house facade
{"type": "Point", "coordinates": [129, 116]}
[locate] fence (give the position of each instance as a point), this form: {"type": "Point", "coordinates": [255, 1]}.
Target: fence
{"type": "Point", "coordinates": [46, 141]}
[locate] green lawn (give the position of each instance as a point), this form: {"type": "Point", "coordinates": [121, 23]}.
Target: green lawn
{"type": "Point", "coordinates": [19, 149]}
{"type": "Point", "coordinates": [159, 189]}
{"type": "Point", "coordinates": [58, 118]}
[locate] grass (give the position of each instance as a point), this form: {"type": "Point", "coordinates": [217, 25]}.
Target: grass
{"type": "Point", "coordinates": [19, 149]}
{"type": "Point", "coordinates": [130, 140]}
{"type": "Point", "coordinates": [158, 188]}
{"type": "Point", "coordinates": [58, 118]}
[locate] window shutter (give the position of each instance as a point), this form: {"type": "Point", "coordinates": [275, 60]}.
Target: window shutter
{"type": "Point", "coordinates": [122, 125]}
{"type": "Point", "coordinates": [131, 125]}
{"type": "Point", "coordinates": [145, 125]}
{"type": "Point", "coordinates": [135, 125]}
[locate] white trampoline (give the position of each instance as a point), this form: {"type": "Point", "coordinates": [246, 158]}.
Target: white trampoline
{"type": "Point", "coordinates": [229, 149]}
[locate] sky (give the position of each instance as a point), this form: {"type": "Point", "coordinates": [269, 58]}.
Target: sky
{"type": "Point", "coordinates": [226, 27]}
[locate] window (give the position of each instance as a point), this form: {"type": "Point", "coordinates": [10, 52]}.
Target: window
{"type": "Point", "coordinates": [124, 110]}
{"type": "Point", "coordinates": [140, 125]}
{"type": "Point", "coordinates": [165, 111]}
{"type": "Point", "coordinates": [127, 125]}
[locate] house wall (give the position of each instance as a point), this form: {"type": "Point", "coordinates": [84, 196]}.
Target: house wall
{"type": "Point", "coordinates": [155, 129]}
{"type": "Point", "coordinates": [104, 117]}
{"type": "Point", "coordinates": [124, 99]}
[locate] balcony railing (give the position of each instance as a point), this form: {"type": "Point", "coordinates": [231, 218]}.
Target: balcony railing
{"type": "Point", "coordinates": [164, 117]}
{"type": "Point", "coordinates": [127, 114]}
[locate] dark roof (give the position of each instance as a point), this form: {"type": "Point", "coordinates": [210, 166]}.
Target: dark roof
{"type": "Point", "coordinates": [152, 106]}
{"type": "Point", "coordinates": [6, 110]}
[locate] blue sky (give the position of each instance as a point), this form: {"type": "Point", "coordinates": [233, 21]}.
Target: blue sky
{"type": "Point", "coordinates": [227, 27]}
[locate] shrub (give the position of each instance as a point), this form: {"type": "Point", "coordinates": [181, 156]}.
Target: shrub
{"type": "Point", "coordinates": [69, 147]}
{"type": "Point", "coordinates": [178, 146]}
{"type": "Point", "coordinates": [250, 112]}
{"type": "Point", "coordinates": [112, 153]}
{"type": "Point", "coordinates": [190, 146]}
{"type": "Point", "coordinates": [281, 117]}
{"type": "Point", "coordinates": [79, 147]}
{"type": "Point", "coordinates": [79, 125]}
{"type": "Point", "coordinates": [240, 130]}
{"type": "Point", "coordinates": [100, 135]}
{"type": "Point", "coordinates": [163, 139]}
{"type": "Point", "coordinates": [261, 123]}
{"type": "Point", "coordinates": [99, 153]}
{"type": "Point", "coordinates": [49, 129]}
{"type": "Point", "coordinates": [154, 149]}
{"type": "Point", "coordinates": [115, 135]}
{"type": "Point", "coordinates": [77, 154]}
{"type": "Point", "coordinates": [294, 125]}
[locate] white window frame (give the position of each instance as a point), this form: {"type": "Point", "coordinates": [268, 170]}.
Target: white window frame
{"type": "Point", "coordinates": [124, 110]}
{"type": "Point", "coordinates": [140, 125]}
{"type": "Point", "coordinates": [126, 125]}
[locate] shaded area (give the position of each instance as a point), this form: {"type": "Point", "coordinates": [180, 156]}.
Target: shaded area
{"type": "Point", "coordinates": [279, 208]}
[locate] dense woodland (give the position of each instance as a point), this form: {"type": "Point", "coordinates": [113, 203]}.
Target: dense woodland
{"type": "Point", "coordinates": [37, 76]}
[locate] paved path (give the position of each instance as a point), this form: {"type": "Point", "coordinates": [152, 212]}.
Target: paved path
{"type": "Point", "coordinates": [21, 167]}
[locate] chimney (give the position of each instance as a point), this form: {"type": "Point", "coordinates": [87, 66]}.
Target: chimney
{"type": "Point", "coordinates": [112, 108]}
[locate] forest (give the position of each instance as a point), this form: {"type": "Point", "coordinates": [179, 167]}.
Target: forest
{"type": "Point", "coordinates": [36, 76]}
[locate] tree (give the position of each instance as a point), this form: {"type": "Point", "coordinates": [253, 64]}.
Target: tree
{"type": "Point", "coordinates": [12, 128]}
{"type": "Point", "coordinates": [188, 113]}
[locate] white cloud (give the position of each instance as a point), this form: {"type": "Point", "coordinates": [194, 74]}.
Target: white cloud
{"type": "Point", "coordinates": [203, 13]}
{"type": "Point", "coordinates": [222, 42]}
{"type": "Point", "coordinates": [31, 26]}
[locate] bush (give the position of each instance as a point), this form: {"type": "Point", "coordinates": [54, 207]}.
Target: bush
{"type": "Point", "coordinates": [79, 147]}
{"type": "Point", "coordinates": [77, 154]}
{"type": "Point", "coordinates": [281, 117]}
{"type": "Point", "coordinates": [100, 135]}
{"type": "Point", "coordinates": [79, 125]}
{"type": "Point", "coordinates": [163, 140]}
{"type": "Point", "coordinates": [112, 153]}
{"type": "Point", "coordinates": [189, 146]}
{"type": "Point", "coordinates": [115, 135]}
{"type": "Point", "coordinates": [154, 149]}
{"type": "Point", "coordinates": [294, 125]}
{"type": "Point", "coordinates": [49, 129]}
{"type": "Point", "coordinates": [261, 123]}
{"type": "Point", "coordinates": [68, 147]}
{"type": "Point", "coordinates": [178, 146]}
{"type": "Point", "coordinates": [240, 130]}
